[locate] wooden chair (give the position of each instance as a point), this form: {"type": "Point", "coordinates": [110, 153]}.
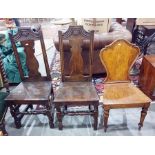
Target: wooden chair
{"type": "Point", "coordinates": [76, 88]}
{"type": "Point", "coordinates": [3, 95]}
{"type": "Point", "coordinates": [34, 89]}
{"type": "Point", "coordinates": [119, 92]}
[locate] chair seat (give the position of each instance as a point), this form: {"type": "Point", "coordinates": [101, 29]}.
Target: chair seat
{"type": "Point", "coordinates": [76, 92]}
{"type": "Point", "coordinates": [3, 95]}
{"type": "Point", "coordinates": [30, 92]}
{"type": "Point", "coordinates": [123, 93]}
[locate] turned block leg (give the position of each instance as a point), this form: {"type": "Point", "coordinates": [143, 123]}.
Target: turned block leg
{"type": "Point", "coordinates": [95, 117]}
{"type": "Point", "coordinates": [31, 106]}
{"type": "Point", "coordinates": [59, 117]}
{"type": "Point", "coordinates": [17, 120]}
{"type": "Point", "coordinates": [89, 107]}
{"type": "Point", "coordinates": [2, 128]}
{"type": "Point", "coordinates": [49, 114]}
{"type": "Point", "coordinates": [50, 118]}
{"type": "Point", "coordinates": [143, 115]}
{"type": "Point", "coordinates": [106, 116]}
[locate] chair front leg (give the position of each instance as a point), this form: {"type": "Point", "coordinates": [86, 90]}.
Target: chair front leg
{"type": "Point", "coordinates": [50, 113]}
{"type": "Point", "coordinates": [59, 117]}
{"type": "Point", "coordinates": [95, 117]}
{"type": "Point", "coordinates": [143, 115]}
{"type": "Point", "coordinates": [2, 128]}
{"type": "Point", "coordinates": [14, 114]}
{"type": "Point", "coordinates": [106, 116]}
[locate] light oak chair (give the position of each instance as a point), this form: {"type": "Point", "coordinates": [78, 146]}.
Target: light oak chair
{"type": "Point", "coordinates": [119, 92]}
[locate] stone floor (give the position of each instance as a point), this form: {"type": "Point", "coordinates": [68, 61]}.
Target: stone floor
{"type": "Point", "coordinates": [122, 122]}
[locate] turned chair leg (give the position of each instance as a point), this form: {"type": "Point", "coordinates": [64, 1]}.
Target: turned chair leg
{"type": "Point", "coordinates": [59, 117]}
{"type": "Point", "coordinates": [143, 115]}
{"type": "Point", "coordinates": [17, 120]}
{"type": "Point", "coordinates": [106, 116]}
{"type": "Point", "coordinates": [2, 127]}
{"type": "Point", "coordinates": [95, 117]}
{"type": "Point", "coordinates": [50, 115]}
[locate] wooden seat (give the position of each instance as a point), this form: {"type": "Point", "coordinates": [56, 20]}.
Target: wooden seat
{"type": "Point", "coordinates": [76, 91]}
{"type": "Point", "coordinates": [35, 89]}
{"type": "Point", "coordinates": [76, 88]}
{"type": "Point", "coordinates": [3, 94]}
{"type": "Point", "coordinates": [119, 92]}
{"type": "Point", "coordinates": [30, 92]}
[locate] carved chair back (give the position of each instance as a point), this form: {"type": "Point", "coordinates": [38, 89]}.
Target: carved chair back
{"type": "Point", "coordinates": [3, 75]}
{"type": "Point", "coordinates": [27, 37]}
{"type": "Point", "coordinates": [80, 60]}
{"type": "Point", "coordinates": [118, 58]}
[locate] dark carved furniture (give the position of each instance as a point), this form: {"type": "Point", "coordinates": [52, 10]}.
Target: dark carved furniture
{"type": "Point", "coordinates": [3, 95]}
{"type": "Point", "coordinates": [34, 89]}
{"type": "Point", "coordinates": [116, 31]}
{"type": "Point", "coordinates": [143, 37]}
{"type": "Point", "coordinates": [76, 88]}
{"type": "Point", "coordinates": [147, 76]}
{"type": "Point", "coordinates": [119, 92]}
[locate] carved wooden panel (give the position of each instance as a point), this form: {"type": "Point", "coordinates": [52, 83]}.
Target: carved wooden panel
{"type": "Point", "coordinates": [118, 59]}
{"type": "Point", "coordinates": [77, 57]}
{"type": "Point", "coordinates": [27, 33]}
{"type": "Point", "coordinates": [74, 31]}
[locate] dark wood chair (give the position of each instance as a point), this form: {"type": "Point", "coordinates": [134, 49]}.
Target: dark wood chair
{"type": "Point", "coordinates": [119, 92]}
{"type": "Point", "coordinates": [34, 89]}
{"type": "Point", "coordinates": [76, 88]}
{"type": "Point", "coordinates": [3, 94]}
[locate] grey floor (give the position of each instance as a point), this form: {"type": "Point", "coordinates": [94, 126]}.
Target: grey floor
{"type": "Point", "coordinates": [122, 122]}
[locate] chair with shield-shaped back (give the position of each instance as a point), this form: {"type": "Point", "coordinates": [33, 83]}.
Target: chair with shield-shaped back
{"type": "Point", "coordinates": [76, 89]}
{"type": "Point", "coordinates": [4, 91]}
{"type": "Point", "coordinates": [119, 91]}
{"type": "Point", "coordinates": [34, 95]}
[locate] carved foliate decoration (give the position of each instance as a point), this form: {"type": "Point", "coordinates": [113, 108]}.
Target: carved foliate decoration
{"type": "Point", "coordinates": [76, 30]}
{"type": "Point", "coordinates": [26, 34]}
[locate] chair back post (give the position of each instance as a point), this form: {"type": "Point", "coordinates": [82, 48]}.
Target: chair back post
{"type": "Point", "coordinates": [61, 54]}
{"type": "Point", "coordinates": [45, 55]}
{"type": "Point", "coordinates": [17, 57]}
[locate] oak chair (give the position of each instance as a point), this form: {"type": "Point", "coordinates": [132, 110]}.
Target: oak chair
{"type": "Point", "coordinates": [35, 89]}
{"type": "Point", "coordinates": [3, 94]}
{"type": "Point", "coordinates": [76, 88]}
{"type": "Point", "coordinates": [119, 92]}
